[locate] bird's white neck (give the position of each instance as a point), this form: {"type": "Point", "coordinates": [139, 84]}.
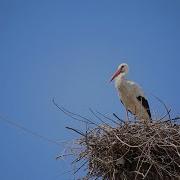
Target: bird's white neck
{"type": "Point", "coordinates": [120, 80]}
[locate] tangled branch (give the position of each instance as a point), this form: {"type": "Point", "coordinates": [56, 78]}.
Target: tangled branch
{"type": "Point", "coordinates": [119, 150]}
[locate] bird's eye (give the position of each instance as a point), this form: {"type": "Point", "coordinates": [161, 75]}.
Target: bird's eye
{"type": "Point", "coordinates": [123, 68]}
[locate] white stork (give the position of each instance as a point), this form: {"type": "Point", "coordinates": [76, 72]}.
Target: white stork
{"type": "Point", "coordinates": [131, 95]}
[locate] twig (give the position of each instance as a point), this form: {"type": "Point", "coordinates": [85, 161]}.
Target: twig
{"type": "Point", "coordinates": [77, 131]}
{"type": "Point", "coordinates": [118, 118]}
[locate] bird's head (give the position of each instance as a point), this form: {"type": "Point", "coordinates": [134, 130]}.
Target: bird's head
{"type": "Point", "coordinates": [121, 70]}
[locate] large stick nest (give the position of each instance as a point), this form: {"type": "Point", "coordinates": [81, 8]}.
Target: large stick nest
{"type": "Point", "coordinates": [128, 150]}
{"type": "Point", "coordinates": [132, 151]}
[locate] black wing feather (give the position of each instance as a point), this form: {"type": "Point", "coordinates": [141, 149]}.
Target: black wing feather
{"type": "Point", "coordinates": [145, 104]}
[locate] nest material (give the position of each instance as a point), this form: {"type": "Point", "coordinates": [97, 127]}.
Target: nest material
{"type": "Point", "coordinates": [128, 150]}
{"type": "Point", "coordinates": [131, 151]}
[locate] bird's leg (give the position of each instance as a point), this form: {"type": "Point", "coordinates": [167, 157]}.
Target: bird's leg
{"type": "Point", "coordinates": [135, 116]}
{"type": "Point", "coordinates": [127, 116]}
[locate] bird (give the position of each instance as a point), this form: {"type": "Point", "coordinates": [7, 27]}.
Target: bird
{"type": "Point", "coordinates": [131, 94]}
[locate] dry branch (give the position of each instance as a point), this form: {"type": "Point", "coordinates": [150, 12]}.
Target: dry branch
{"type": "Point", "coordinates": [128, 150]}
{"type": "Point", "coordinates": [132, 151]}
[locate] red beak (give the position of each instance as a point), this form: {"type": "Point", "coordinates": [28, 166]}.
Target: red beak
{"type": "Point", "coordinates": [115, 74]}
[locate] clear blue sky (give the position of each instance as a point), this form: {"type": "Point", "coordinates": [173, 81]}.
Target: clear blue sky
{"type": "Point", "coordinates": [69, 50]}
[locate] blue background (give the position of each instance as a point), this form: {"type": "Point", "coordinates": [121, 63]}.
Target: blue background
{"type": "Point", "coordinates": [69, 50]}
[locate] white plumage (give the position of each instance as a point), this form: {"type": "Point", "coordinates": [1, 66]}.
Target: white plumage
{"type": "Point", "coordinates": [131, 95]}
